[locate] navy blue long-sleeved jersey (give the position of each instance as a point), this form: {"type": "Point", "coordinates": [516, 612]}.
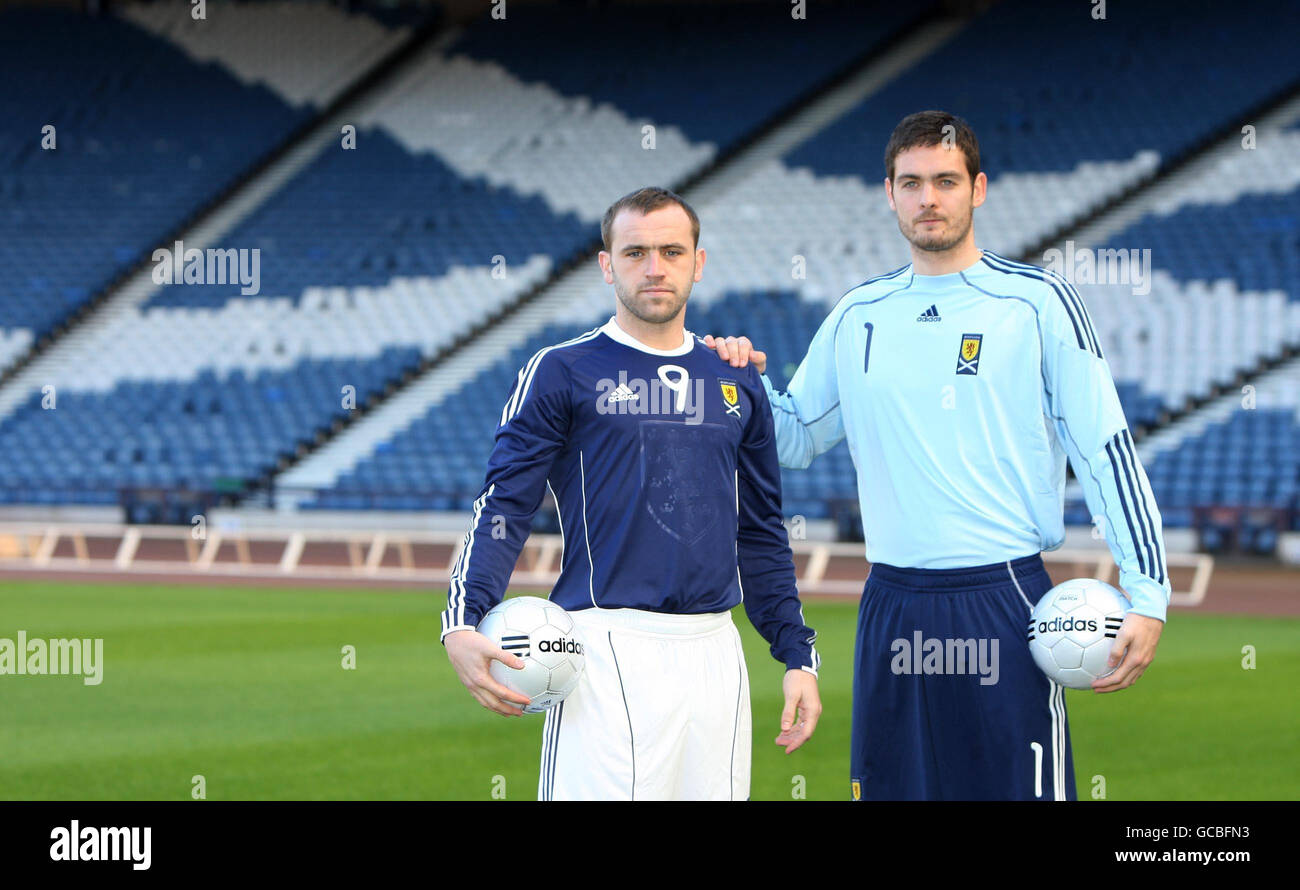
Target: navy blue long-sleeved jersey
{"type": "Point", "coordinates": [664, 469]}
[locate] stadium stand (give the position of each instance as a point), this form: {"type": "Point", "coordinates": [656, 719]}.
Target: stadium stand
{"type": "Point", "coordinates": [660, 63]}
{"type": "Point", "coordinates": [381, 215]}
{"type": "Point", "coordinates": [366, 252]}
{"type": "Point", "coordinates": [1232, 469]}
{"type": "Point", "coordinates": [1146, 89]}
{"type": "Point", "coordinates": [199, 435]}
{"type": "Point", "coordinates": [328, 47]}
{"type": "Point", "coordinates": [123, 176]}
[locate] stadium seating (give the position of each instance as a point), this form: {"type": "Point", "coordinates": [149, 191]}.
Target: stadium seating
{"type": "Point", "coordinates": [1250, 458]}
{"type": "Point", "coordinates": [1246, 459]}
{"type": "Point", "coordinates": [367, 217]}
{"type": "Point", "coordinates": [1100, 91]}
{"type": "Point", "coordinates": [661, 63]}
{"type": "Point", "coordinates": [1224, 283]}
{"type": "Point", "coordinates": [446, 212]}
{"type": "Point", "coordinates": [148, 132]}
{"type": "Point", "coordinates": [328, 47]}
{"type": "Point", "coordinates": [200, 435]}
{"type": "Point", "coordinates": [1224, 297]}
{"type": "Point", "coordinates": [466, 158]}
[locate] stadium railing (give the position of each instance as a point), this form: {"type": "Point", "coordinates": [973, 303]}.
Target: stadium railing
{"type": "Point", "coordinates": [416, 558]}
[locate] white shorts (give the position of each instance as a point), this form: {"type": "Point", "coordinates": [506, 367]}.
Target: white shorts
{"type": "Point", "coordinates": [661, 712]}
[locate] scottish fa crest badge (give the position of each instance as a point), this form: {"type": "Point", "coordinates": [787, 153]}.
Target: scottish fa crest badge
{"type": "Point", "coordinates": [968, 357]}
{"type": "Point", "coordinates": [730, 397]}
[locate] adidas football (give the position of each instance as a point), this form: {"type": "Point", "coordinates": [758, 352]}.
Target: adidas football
{"type": "Point", "coordinates": [1073, 628]}
{"type": "Point", "coordinates": [544, 636]}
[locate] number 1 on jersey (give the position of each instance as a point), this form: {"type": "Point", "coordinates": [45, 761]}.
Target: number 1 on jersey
{"type": "Point", "coordinates": [866, 359]}
{"type": "Point", "coordinates": [1038, 768]}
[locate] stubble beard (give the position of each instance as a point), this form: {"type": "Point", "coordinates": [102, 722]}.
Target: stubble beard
{"type": "Point", "coordinates": [644, 313]}
{"type": "Point", "coordinates": [935, 243]}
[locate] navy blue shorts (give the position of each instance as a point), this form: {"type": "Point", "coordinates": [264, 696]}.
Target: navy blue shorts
{"type": "Point", "coordinates": [947, 701]}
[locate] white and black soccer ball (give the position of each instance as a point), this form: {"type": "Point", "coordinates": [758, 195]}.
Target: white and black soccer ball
{"type": "Point", "coordinates": [545, 637]}
{"type": "Point", "coordinates": [1072, 629]}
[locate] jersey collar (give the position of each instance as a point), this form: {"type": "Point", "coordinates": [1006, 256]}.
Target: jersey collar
{"type": "Point", "coordinates": [614, 332]}
{"type": "Point", "coordinates": [951, 277]}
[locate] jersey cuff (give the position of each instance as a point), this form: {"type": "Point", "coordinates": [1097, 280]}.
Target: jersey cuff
{"type": "Point", "coordinates": [1148, 597]}
{"type": "Point", "coordinates": [801, 664]}
{"type": "Point", "coordinates": [451, 630]}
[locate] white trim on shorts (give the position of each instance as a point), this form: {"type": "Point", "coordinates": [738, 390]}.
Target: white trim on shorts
{"type": "Point", "coordinates": [1019, 590]}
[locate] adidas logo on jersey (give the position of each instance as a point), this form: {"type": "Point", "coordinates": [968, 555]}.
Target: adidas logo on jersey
{"type": "Point", "coordinates": [623, 394]}
{"type": "Point", "coordinates": [931, 314]}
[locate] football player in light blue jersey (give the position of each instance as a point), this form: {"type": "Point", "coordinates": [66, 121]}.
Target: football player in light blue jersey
{"type": "Point", "coordinates": [962, 383]}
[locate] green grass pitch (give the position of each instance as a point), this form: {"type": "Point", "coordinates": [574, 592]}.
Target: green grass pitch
{"type": "Point", "coordinates": [246, 688]}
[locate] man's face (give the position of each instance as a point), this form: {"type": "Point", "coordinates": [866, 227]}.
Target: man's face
{"type": "Point", "coordinates": [934, 196]}
{"type": "Point", "coordinates": [652, 262]}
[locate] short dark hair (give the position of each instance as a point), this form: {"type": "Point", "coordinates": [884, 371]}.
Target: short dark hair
{"type": "Point", "coordinates": [643, 201]}
{"type": "Point", "coordinates": [925, 128]}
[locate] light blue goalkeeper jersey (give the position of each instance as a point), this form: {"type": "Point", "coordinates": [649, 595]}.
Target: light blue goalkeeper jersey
{"type": "Point", "coordinates": [961, 396]}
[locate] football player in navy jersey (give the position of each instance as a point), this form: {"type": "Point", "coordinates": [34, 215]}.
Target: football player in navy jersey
{"type": "Point", "coordinates": [662, 461]}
